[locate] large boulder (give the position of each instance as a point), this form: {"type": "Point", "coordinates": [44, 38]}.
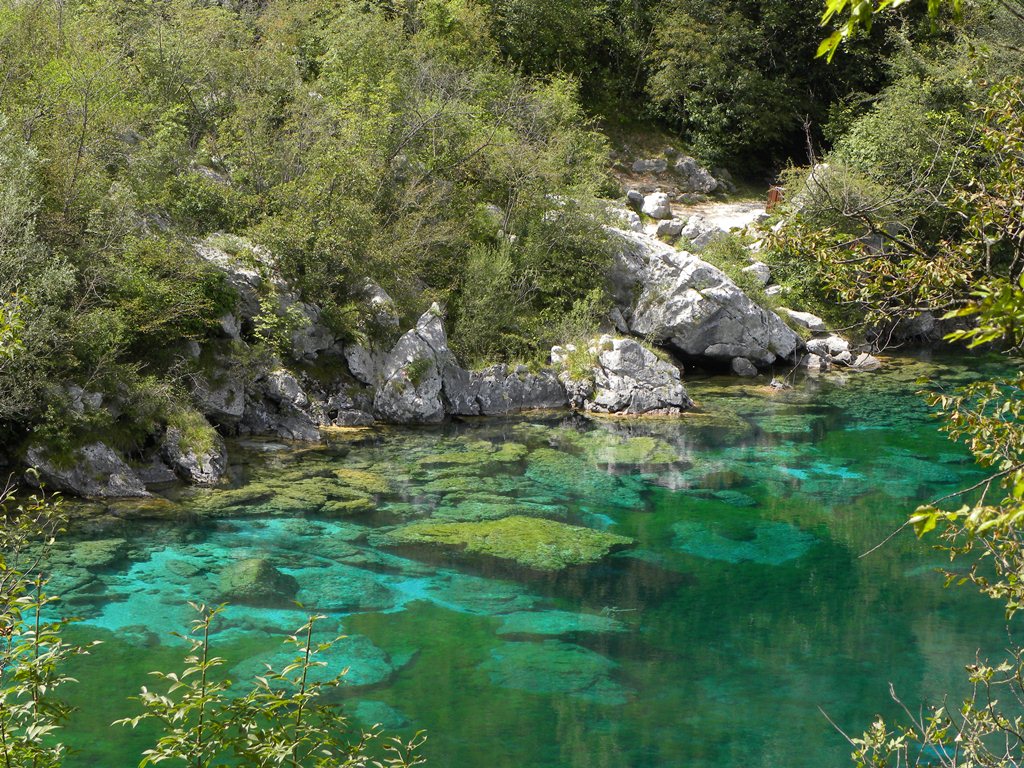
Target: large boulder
{"type": "Point", "coordinates": [202, 463]}
{"type": "Point", "coordinates": [657, 206]}
{"type": "Point", "coordinates": [410, 392]}
{"type": "Point", "coordinates": [694, 178]}
{"type": "Point", "coordinates": [812, 323]}
{"type": "Point", "coordinates": [623, 377]}
{"type": "Point", "coordinates": [92, 471]}
{"type": "Point", "coordinates": [650, 165]}
{"type": "Point", "coordinates": [675, 298]}
{"type": "Point", "coordinates": [699, 233]}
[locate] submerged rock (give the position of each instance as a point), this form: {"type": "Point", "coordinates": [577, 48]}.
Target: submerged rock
{"type": "Point", "coordinates": [473, 594]}
{"type": "Point", "coordinates": [561, 471]}
{"type": "Point", "coordinates": [344, 589]}
{"type": "Point", "coordinates": [543, 545]}
{"type": "Point", "coordinates": [765, 543]}
{"type": "Point", "coordinates": [354, 657]}
{"type": "Point", "coordinates": [555, 667]}
{"type": "Point", "coordinates": [557, 623]}
{"type": "Point", "coordinates": [92, 471]}
{"type": "Point", "coordinates": [371, 713]}
{"type": "Point", "coordinates": [256, 581]}
{"type": "Point", "coordinates": [95, 554]}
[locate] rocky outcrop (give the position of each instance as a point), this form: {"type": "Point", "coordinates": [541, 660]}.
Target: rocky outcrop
{"type": "Point", "coordinates": [243, 275]}
{"type": "Point", "coordinates": [220, 395]}
{"type": "Point", "coordinates": [828, 351]}
{"type": "Point", "coordinates": [251, 271]}
{"type": "Point", "coordinates": [92, 471]}
{"type": "Point", "coordinates": [623, 377]}
{"type": "Point", "coordinates": [199, 465]}
{"type": "Point", "coordinates": [693, 178]}
{"type": "Point", "coordinates": [410, 392]}
{"type": "Point", "coordinates": [675, 298]}
{"type": "Point", "coordinates": [677, 174]}
{"type": "Point", "coordinates": [366, 359]}
{"type": "Point", "coordinates": [501, 389]}
{"type": "Point", "coordinates": [277, 404]}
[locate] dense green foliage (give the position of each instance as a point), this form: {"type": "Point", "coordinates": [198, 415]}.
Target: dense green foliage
{"type": "Point", "coordinates": [917, 202]}
{"type": "Point", "coordinates": [350, 141]}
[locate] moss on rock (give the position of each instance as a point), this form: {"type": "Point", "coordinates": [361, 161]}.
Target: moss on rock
{"type": "Point", "coordinates": [544, 545]}
{"type": "Point", "coordinates": [256, 581]}
{"type": "Point", "coordinates": [362, 480]}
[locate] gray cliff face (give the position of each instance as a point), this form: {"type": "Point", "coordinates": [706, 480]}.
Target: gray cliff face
{"type": "Point", "coordinates": [423, 383]}
{"type": "Point", "coordinates": [95, 471]}
{"type": "Point", "coordinates": [412, 376]}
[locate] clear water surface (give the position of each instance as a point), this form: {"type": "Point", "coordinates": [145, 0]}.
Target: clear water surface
{"type": "Point", "coordinates": [742, 607]}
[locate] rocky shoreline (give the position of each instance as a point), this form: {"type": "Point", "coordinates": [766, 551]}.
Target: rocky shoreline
{"type": "Point", "coordinates": [671, 307]}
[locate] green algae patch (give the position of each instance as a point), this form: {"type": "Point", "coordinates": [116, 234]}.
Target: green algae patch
{"type": "Point", "coordinates": [347, 507]}
{"type": "Point", "coordinates": [363, 480]}
{"type": "Point", "coordinates": [256, 582]}
{"type": "Point", "coordinates": [607, 448]}
{"type": "Point", "coordinates": [544, 545]}
{"type": "Point", "coordinates": [560, 471]}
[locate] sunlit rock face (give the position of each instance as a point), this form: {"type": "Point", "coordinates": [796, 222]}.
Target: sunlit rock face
{"type": "Point", "coordinates": [677, 299]}
{"type": "Point", "coordinates": [92, 471]}
{"type": "Point", "coordinates": [621, 376]}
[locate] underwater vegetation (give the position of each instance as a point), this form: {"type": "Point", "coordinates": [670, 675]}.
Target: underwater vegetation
{"type": "Point", "coordinates": [548, 590]}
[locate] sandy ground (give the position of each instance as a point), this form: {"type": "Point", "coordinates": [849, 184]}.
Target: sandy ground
{"type": "Point", "coordinates": [727, 215]}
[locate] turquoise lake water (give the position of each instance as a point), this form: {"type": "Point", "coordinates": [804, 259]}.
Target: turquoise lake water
{"type": "Point", "coordinates": [741, 609]}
